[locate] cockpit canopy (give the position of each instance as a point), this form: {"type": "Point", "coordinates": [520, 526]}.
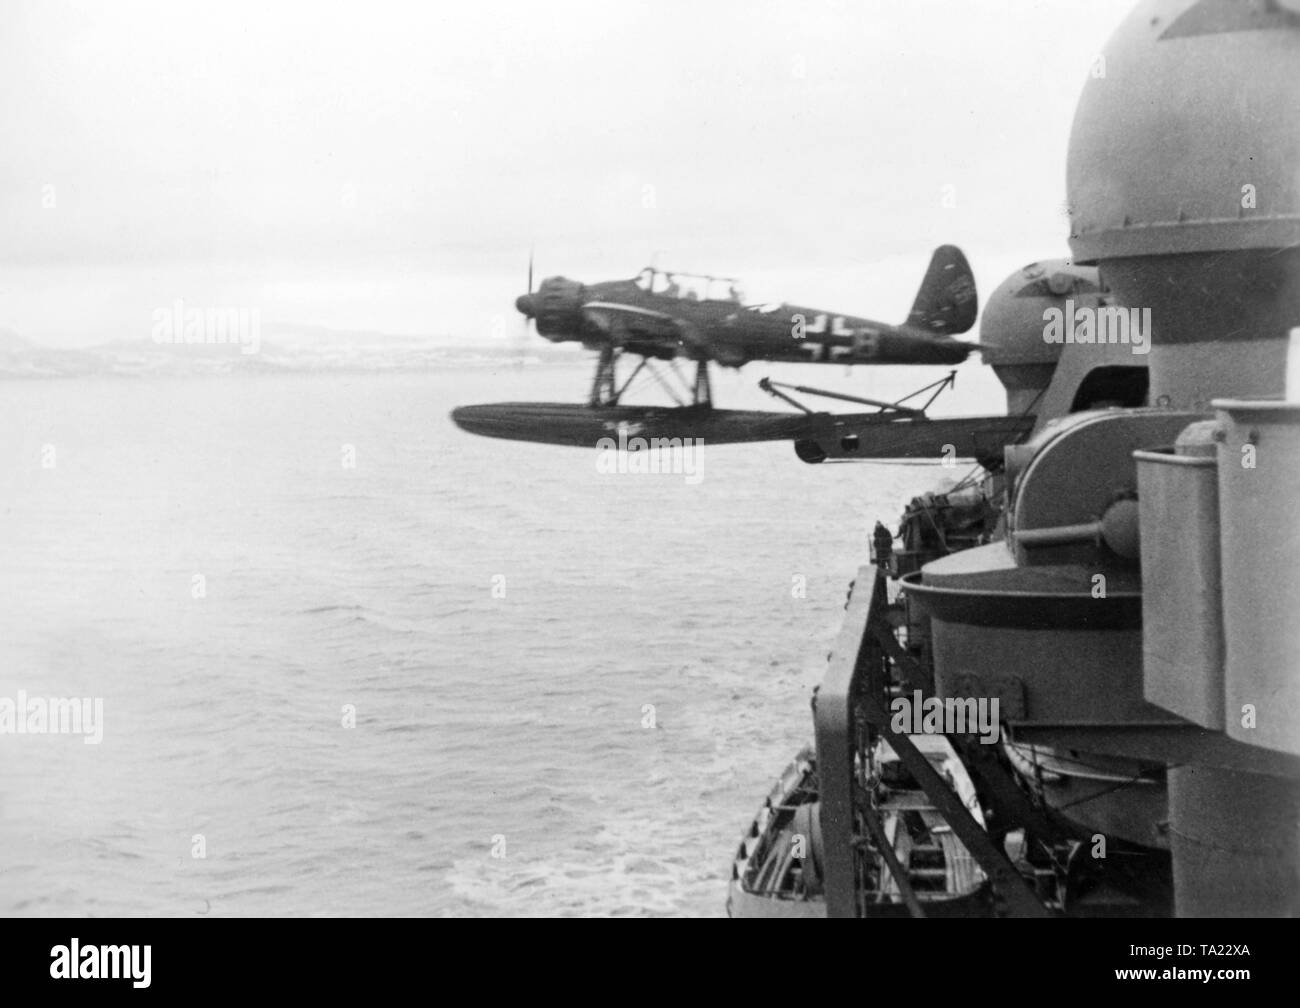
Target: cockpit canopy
{"type": "Point", "coordinates": [688, 286]}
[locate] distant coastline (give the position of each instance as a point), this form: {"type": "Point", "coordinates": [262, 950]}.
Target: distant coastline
{"type": "Point", "coordinates": [285, 349]}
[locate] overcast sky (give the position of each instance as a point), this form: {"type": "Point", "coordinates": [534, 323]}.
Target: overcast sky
{"type": "Point", "coordinates": [388, 166]}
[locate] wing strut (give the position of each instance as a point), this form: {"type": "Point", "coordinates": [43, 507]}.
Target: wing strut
{"type": "Point", "coordinates": [604, 386]}
{"type": "Point", "coordinates": [703, 386]}
{"type": "Point", "coordinates": [606, 390]}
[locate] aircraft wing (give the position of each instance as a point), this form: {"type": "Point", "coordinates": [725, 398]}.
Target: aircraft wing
{"type": "Point", "coordinates": [627, 324]}
{"type": "Point", "coordinates": [587, 426]}
{"type": "Point", "coordinates": [817, 437]}
{"type": "Point", "coordinates": [609, 313]}
{"type": "Point", "coordinates": [644, 329]}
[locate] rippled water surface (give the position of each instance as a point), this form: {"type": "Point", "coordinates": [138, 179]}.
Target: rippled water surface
{"type": "Point", "coordinates": [197, 553]}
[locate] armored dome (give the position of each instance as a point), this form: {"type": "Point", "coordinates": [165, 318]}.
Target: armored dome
{"type": "Point", "coordinates": [1187, 135]}
{"type": "Point", "coordinates": [1011, 328]}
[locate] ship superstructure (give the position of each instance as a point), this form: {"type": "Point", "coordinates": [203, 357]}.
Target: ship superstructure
{"type": "Point", "coordinates": [1122, 586]}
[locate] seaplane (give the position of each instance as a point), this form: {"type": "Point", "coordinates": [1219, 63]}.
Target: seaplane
{"type": "Point", "coordinates": [661, 317]}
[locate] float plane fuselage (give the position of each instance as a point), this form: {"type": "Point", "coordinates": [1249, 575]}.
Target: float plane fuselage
{"type": "Point", "coordinates": [661, 315]}
{"type": "Point", "coordinates": [664, 315]}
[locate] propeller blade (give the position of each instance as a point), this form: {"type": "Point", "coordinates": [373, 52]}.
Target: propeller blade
{"type": "Point", "coordinates": [526, 329]}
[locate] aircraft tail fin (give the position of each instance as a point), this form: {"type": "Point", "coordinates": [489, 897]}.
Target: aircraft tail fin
{"type": "Point", "coordinates": [947, 303]}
